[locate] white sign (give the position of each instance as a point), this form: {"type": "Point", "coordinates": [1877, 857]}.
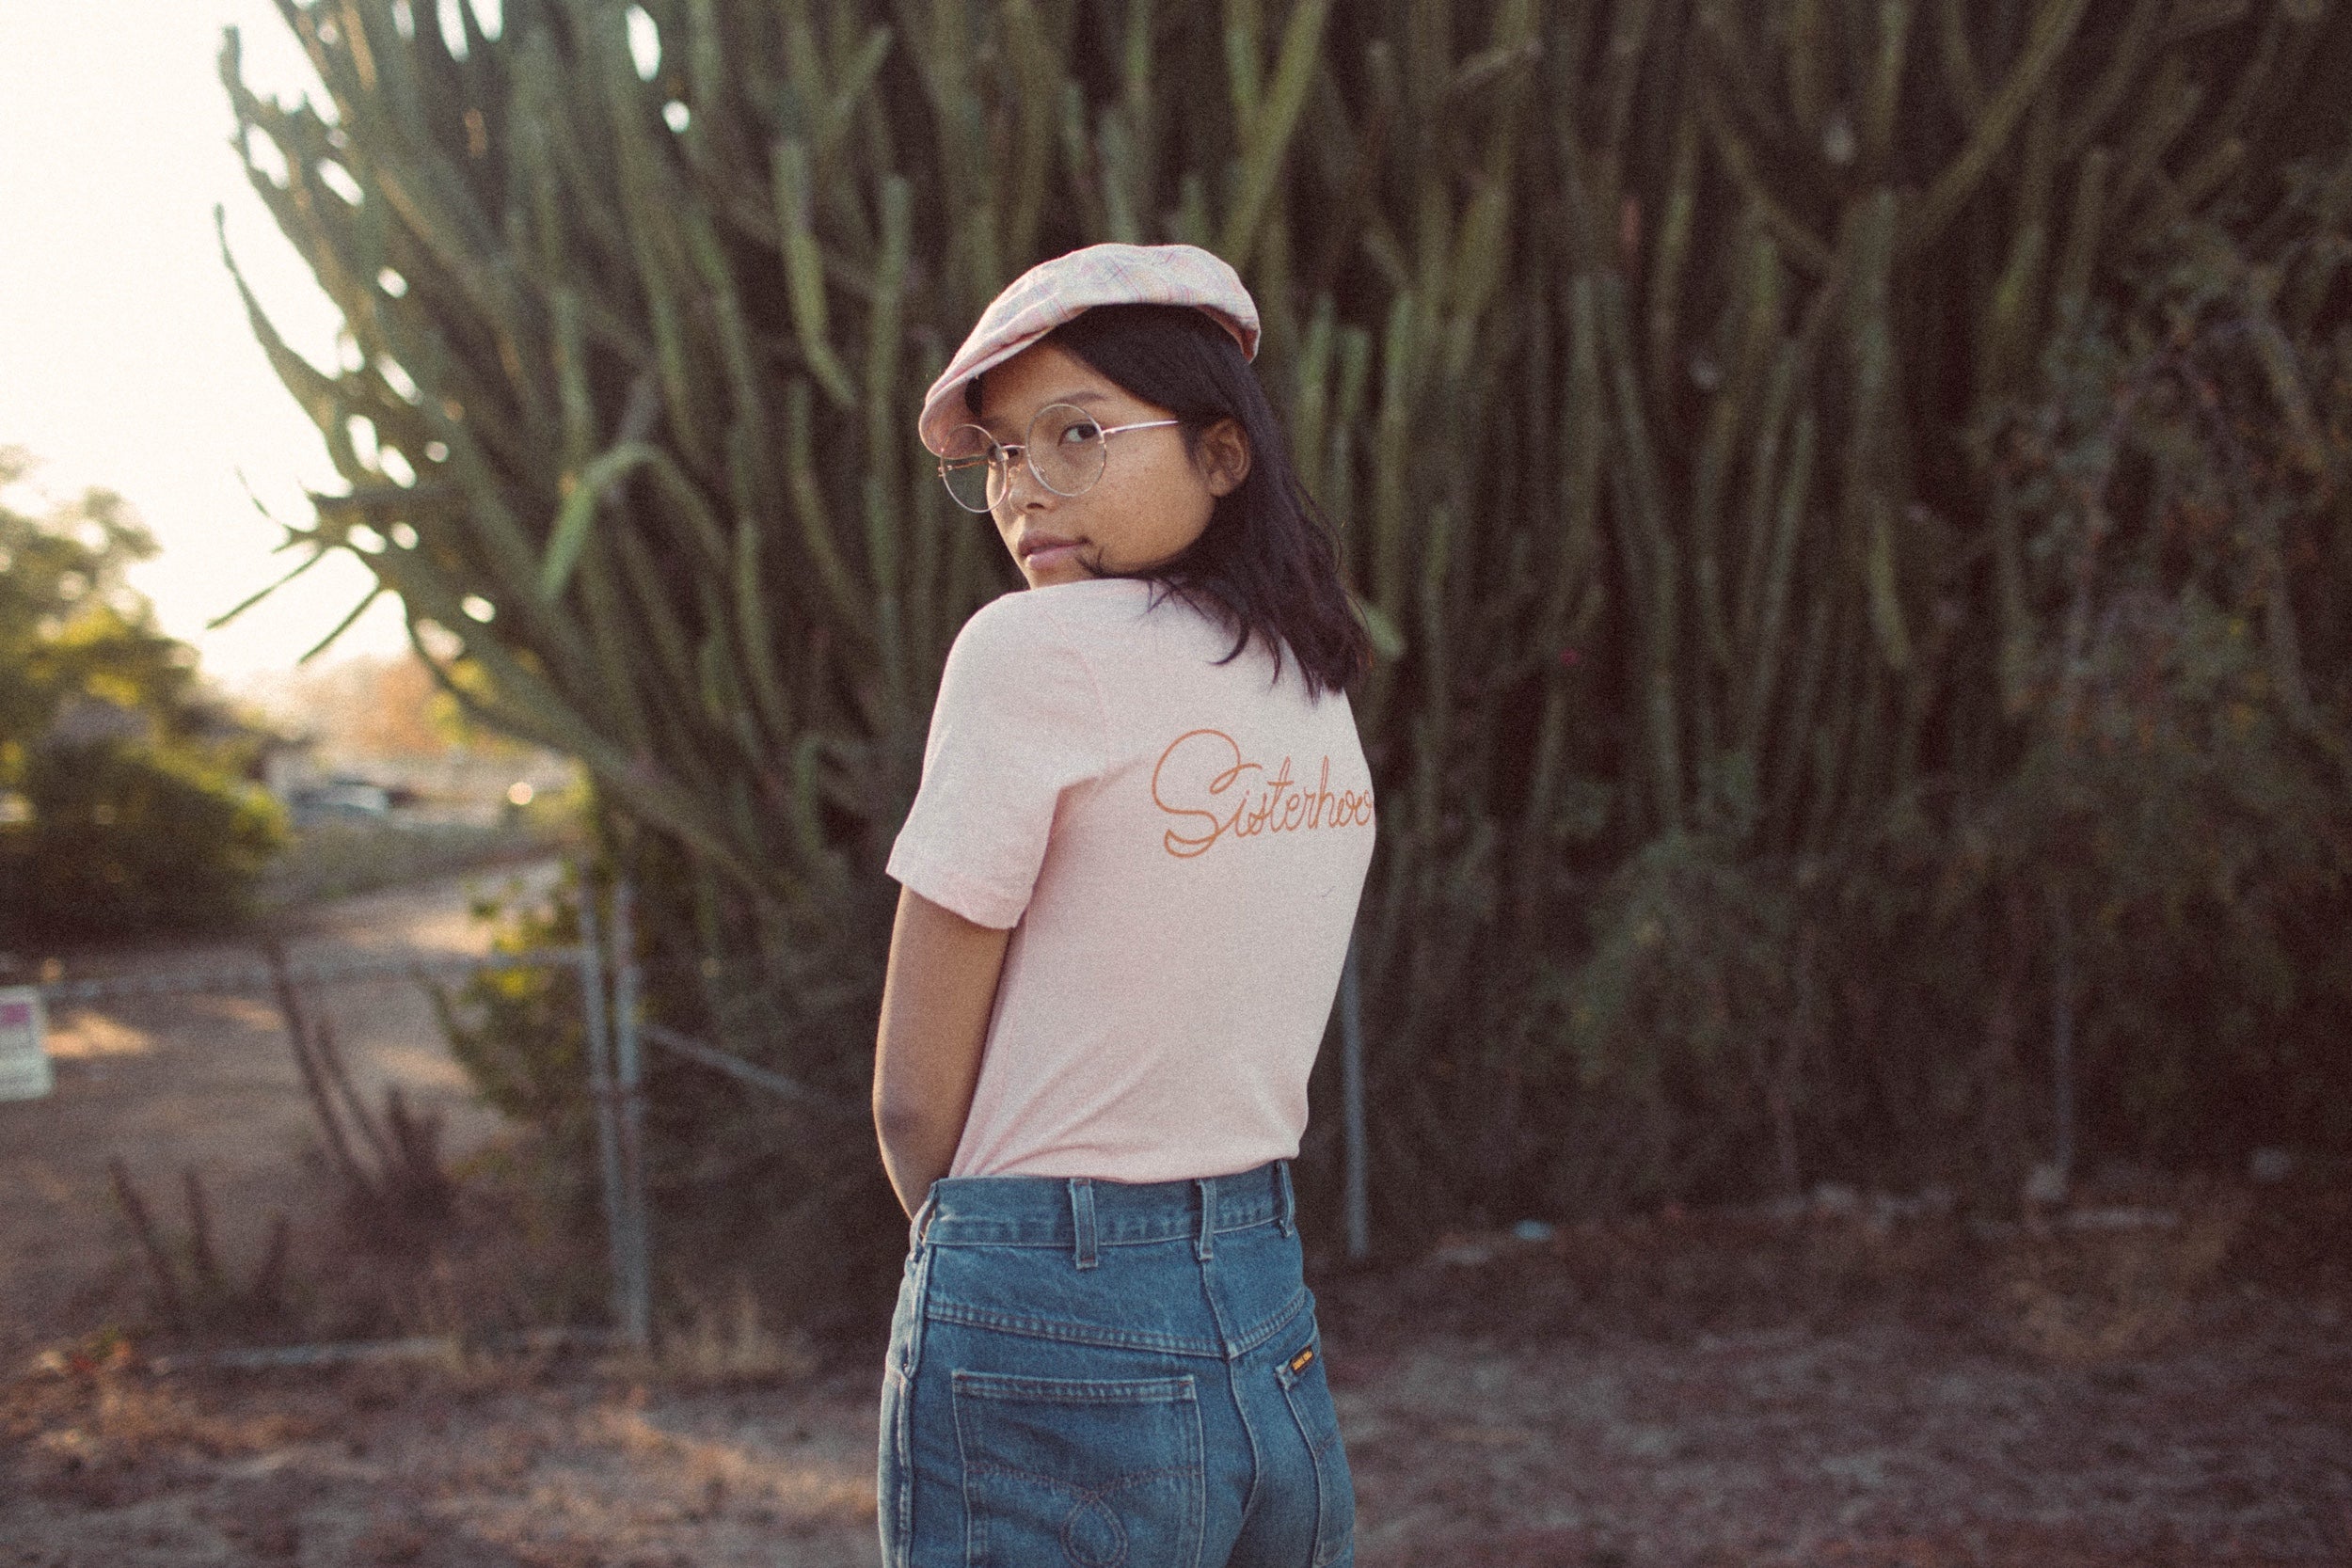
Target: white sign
{"type": "Point", "coordinates": [24, 1051]}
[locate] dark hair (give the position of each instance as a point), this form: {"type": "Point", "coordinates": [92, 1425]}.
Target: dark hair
{"type": "Point", "coordinates": [1267, 564]}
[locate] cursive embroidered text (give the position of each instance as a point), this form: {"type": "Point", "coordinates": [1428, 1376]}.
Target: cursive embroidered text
{"type": "Point", "coordinates": [1203, 781]}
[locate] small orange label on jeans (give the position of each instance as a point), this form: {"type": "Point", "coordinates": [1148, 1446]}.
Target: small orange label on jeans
{"type": "Point", "coordinates": [1298, 1362]}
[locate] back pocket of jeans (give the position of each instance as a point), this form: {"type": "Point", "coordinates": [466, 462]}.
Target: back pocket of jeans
{"type": "Point", "coordinates": [1092, 1473]}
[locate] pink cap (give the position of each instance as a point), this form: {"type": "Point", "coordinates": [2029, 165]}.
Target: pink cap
{"type": "Point", "coordinates": [1052, 292]}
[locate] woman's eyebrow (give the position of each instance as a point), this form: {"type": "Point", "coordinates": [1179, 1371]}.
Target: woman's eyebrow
{"type": "Point", "coordinates": [993, 425]}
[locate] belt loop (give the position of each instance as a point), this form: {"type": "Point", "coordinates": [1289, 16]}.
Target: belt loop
{"type": "Point", "coordinates": [1290, 1199]}
{"type": "Point", "coordinates": [1206, 1247]}
{"type": "Point", "coordinates": [1082, 1218]}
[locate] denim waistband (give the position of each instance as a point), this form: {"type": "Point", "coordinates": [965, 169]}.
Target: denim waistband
{"type": "Point", "coordinates": [1081, 1212]}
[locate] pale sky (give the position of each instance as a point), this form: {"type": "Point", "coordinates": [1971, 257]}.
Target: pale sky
{"type": "Point", "coordinates": [125, 359]}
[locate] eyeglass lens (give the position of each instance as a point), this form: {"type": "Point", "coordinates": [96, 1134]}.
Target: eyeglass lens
{"type": "Point", "coordinates": [1064, 449]}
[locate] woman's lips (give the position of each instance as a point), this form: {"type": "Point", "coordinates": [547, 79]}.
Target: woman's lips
{"type": "Point", "coordinates": [1045, 557]}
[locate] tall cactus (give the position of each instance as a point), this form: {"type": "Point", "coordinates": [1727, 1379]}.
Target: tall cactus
{"type": "Point", "coordinates": [1630, 342]}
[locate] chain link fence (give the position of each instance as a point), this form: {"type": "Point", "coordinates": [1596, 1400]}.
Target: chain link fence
{"type": "Point", "coordinates": [607, 968]}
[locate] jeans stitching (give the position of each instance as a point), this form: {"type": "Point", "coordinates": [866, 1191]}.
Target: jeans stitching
{"type": "Point", "coordinates": [1074, 1333]}
{"type": "Point", "coordinates": [1268, 1327]}
{"type": "Point", "coordinates": [1324, 1551]}
{"type": "Point", "coordinates": [1124, 1481]}
{"type": "Point", "coordinates": [1110, 1229]}
{"type": "Point", "coordinates": [1016, 1387]}
{"type": "Point", "coordinates": [1078, 1333]}
{"type": "Point", "coordinates": [1082, 1219]}
{"type": "Point", "coordinates": [1185, 1397]}
{"type": "Point", "coordinates": [903, 1434]}
{"type": "Point", "coordinates": [905, 1438]}
{"type": "Point", "coordinates": [921, 1313]}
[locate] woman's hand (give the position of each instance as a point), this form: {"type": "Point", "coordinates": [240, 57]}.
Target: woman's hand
{"type": "Point", "coordinates": [937, 995]}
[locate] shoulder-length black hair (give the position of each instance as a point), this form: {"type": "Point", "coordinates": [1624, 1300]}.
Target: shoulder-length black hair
{"type": "Point", "coordinates": [1267, 565]}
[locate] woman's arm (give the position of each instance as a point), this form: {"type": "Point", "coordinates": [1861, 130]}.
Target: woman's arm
{"type": "Point", "coordinates": [936, 998]}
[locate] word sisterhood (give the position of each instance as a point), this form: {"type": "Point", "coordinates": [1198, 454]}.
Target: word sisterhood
{"type": "Point", "coordinates": [1204, 782]}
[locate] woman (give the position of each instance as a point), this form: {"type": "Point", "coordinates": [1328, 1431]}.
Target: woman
{"type": "Point", "coordinates": [1127, 885]}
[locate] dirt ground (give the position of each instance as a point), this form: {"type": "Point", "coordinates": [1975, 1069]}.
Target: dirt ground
{"type": "Point", "coordinates": [2162, 1377]}
{"type": "Point", "coordinates": [207, 1083]}
{"type": "Point", "coordinates": [1891, 1447]}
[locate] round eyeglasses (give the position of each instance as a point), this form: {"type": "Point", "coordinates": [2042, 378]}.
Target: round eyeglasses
{"type": "Point", "coordinates": [1065, 449]}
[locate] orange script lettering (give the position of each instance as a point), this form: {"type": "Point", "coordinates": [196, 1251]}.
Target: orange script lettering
{"type": "Point", "coordinates": [1215, 791]}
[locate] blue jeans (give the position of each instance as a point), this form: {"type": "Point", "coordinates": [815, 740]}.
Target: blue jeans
{"type": "Point", "coordinates": [1102, 1374]}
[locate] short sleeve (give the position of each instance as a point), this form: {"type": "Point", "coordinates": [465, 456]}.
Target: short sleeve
{"type": "Point", "coordinates": [1018, 722]}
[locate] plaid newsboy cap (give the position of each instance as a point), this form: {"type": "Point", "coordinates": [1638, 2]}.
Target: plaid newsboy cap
{"type": "Point", "coordinates": [1052, 292]}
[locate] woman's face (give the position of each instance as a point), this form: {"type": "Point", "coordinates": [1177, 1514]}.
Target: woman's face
{"type": "Point", "coordinates": [1155, 496]}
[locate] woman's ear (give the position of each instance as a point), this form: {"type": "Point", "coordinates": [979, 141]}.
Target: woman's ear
{"type": "Point", "coordinates": [1224, 456]}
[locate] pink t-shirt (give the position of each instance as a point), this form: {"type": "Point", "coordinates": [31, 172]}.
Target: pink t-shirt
{"type": "Point", "coordinates": [1178, 846]}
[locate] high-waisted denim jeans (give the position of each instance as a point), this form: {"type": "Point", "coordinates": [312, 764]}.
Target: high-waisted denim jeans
{"type": "Point", "coordinates": [1102, 1374]}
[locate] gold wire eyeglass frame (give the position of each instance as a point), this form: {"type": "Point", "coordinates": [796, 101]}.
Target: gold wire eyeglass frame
{"type": "Point", "coordinates": [998, 457]}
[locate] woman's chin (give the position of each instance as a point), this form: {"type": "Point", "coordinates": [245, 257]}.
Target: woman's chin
{"type": "Point", "coordinates": [1048, 569]}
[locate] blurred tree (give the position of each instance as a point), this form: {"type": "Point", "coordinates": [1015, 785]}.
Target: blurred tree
{"type": "Point", "coordinates": [124, 808]}
{"type": "Point", "coordinates": [73, 632]}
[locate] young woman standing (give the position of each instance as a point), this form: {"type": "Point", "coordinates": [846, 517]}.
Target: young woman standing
{"type": "Point", "coordinates": [1127, 885]}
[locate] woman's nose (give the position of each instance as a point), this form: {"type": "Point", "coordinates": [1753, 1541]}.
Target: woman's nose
{"type": "Point", "coordinates": [1022, 490]}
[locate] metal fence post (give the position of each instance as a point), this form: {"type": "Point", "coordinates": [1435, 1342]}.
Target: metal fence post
{"type": "Point", "coordinates": [2063, 1039]}
{"type": "Point", "coordinates": [637, 1300]}
{"type": "Point", "coordinates": [600, 1090]}
{"type": "Point", "coordinates": [1352, 1094]}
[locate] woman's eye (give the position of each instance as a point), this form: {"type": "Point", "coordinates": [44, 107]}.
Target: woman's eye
{"type": "Point", "coordinates": [1081, 433]}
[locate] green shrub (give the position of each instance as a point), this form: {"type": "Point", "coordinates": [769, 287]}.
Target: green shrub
{"type": "Point", "coordinates": [126, 839]}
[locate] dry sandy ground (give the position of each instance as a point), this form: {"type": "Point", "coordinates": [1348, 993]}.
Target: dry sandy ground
{"type": "Point", "coordinates": [1891, 1447]}
{"type": "Point", "coordinates": [1651, 1395]}
{"type": "Point", "coordinates": [207, 1083]}
{"type": "Point", "coordinates": [1885, 1446]}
